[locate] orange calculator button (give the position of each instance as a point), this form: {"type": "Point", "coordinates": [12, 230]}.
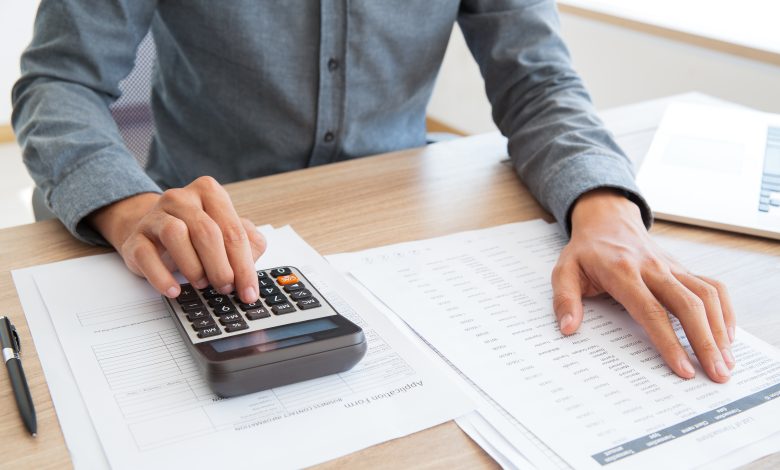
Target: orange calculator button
{"type": "Point", "coordinates": [288, 279]}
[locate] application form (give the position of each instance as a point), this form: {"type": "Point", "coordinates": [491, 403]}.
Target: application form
{"type": "Point", "coordinates": [150, 408]}
{"type": "Point", "coordinates": [600, 398]}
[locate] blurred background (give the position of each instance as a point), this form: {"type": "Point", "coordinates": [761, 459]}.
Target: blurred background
{"type": "Point", "coordinates": [626, 51]}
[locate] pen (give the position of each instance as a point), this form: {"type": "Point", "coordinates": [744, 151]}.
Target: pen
{"type": "Point", "coordinates": [9, 341]}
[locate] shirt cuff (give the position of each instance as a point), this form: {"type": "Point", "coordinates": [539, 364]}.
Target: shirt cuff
{"type": "Point", "coordinates": [96, 183]}
{"type": "Point", "coordinates": [585, 173]}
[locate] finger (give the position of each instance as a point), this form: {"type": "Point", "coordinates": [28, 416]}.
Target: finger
{"type": "Point", "coordinates": [690, 310]}
{"type": "Point", "coordinates": [256, 239]}
{"type": "Point", "coordinates": [145, 256]}
{"type": "Point", "coordinates": [709, 295]}
{"type": "Point", "coordinates": [567, 296]}
{"type": "Point", "coordinates": [630, 290]}
{"type": "Point", "coordinates": [174, 235]}
{"type": "Point", "coordinates": [206, 238]}
{"type": "Point", "coordinates": [729, 317]}
{"type": "Point", "coordinates": [205, 235]}
{"type": "Point", "coordinates": [218, 205]}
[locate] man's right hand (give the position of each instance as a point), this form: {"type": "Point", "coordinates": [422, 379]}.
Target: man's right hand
{"type": "Point", "coordinates": [194, 229]}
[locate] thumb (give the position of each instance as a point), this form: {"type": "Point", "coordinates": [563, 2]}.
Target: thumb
{"type": "Point", "coordinates": [567, 297]}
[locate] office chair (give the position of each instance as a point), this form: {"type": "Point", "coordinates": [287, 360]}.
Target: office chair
{"type": "Point", "coordinates": [132, 113]}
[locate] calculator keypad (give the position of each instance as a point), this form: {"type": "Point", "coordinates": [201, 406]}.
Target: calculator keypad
{"type": "Point", "coordinates": [284, 298]}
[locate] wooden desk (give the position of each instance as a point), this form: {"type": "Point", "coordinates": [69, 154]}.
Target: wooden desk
{"type": "Point", "coordinates": [403, 196]}
{"type": "Point", "coordinates": [6, 134]}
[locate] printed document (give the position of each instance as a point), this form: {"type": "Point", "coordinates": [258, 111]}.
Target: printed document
{"type": "Point", "coordinates": [151, 408]}
{"type": "Point", "coordinates": [502, 436]}
{"type": "Point", "coordinates": [601, 398]}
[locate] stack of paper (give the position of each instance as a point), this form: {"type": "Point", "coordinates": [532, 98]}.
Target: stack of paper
{"type": "Point", "coordinates": [601, 397]}
{"type": "Point", "coordinates": [127, 393]}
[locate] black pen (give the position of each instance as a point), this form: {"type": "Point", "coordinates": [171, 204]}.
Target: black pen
{"type": "Point", "coordinates": [9, 341]}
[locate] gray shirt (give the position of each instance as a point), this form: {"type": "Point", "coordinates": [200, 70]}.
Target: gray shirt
{"type": "Point", "coordinates": [247, 88]}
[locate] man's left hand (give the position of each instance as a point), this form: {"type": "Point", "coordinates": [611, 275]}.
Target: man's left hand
{"type": "Point", "coordinates": [610, 251]}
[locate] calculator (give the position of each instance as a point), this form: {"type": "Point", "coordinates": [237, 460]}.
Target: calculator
{"type": "Point", "coordinates": [290, 334]}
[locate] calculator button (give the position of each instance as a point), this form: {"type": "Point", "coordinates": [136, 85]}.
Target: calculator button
{"type": "Point", "coordinates": [266, 283]}
{"type": "Point", "coordinates": [206, 332]}
{"type": "Point", "coordinates": [189, 306]}
{"type": "Point", "coordinates": [251, 306]}
{"type": "Point", "coordinates": [203, 323]}
{"type": "Point", "coordinates": [236, 326]}
{"type": "Point", "coordinates": [198, 314]}
{"type": "Point", "coordinates": [300, 294]}
{"type": "Point", "coordinates": [294, 287]}
{"type": "Point", "coordinates": [215, 302]}
{"type": "Point", "coordinates": [210, 292]}
{"type": "Point", "coordinates": [224, 309]}
{"type": "Point", "coordinates": [306, 304]}
{"type": "Point", "coordinates": [288, 279]}
{"type": "Point", "coordinates": [281, 309]}
{"type": "Point", "coordinates": [257, 313]}
{"type": "Point", "coordinates": [280, 272]}
{"type": "Point", "coordinates": [230, 318]}
{"type": "Point", "coordinates": [262, 275]}
{"type": "Point", "coordinates": [275, 299]}
{"type": "Point", "coordinates": [188, 294]}
{"type": "Point", "coordinates": [266, 291]}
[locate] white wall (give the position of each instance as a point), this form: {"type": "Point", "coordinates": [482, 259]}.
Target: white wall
{"type": "Point", "coordinates": [16, 26]}
{"type": "Point", "coordinates": [619, 66]}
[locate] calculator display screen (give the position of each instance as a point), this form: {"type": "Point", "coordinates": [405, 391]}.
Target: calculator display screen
{"type": "Point", "coordinates": [278, 333]}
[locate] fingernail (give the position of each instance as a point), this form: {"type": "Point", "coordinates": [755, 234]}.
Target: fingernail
{"type": "Point", "coordinates": [728, 357]}
{"type": "Point", "coordinates": [226, 289]}
{"type": "Point", "coordinates": [250, 294]}
{"type": "Point", "coordinates": [731, 333]}
{"type": "Point", "coordinates": [201, 283]}
{"type": "Point", "coordinates": [687, 367]}
{"type": "Point", "coordinates": [566, 321]}
{"type": "Point", "coordinates": [721, 369]}
{"type": "Point", "coordinates": [172, 292]}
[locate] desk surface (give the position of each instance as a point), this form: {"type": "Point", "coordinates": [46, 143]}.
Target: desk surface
{"type": "Point", "coordinates": [397, 197]}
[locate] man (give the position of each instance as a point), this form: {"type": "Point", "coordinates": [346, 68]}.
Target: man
{"type": "Point", "coordinates": [247, 88]}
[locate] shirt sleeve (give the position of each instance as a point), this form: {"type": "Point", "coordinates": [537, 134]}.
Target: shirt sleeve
{"type": "Point", "coordinates": [557, 143]}
{"type": "Point", "coordinates": [71, 71]}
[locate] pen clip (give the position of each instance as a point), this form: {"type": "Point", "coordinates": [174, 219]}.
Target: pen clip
{"type": "Point", "coordinates": [16, 339]}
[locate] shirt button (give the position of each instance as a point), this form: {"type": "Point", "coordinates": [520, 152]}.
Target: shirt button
{"type": "Point", "coordinates": [329, 136]}
{"type": "Point", "coordinates": [333, 64]}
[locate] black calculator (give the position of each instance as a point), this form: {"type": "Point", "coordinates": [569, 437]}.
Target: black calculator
{"type": "Point", "coordinates": [292, 333]}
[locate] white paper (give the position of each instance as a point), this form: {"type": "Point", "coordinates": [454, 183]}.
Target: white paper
{"type": "Point", "coordinates": [502, 436]}
{"type": "Point", "coordinates": [489, 426]}
{"type": "Point", "coordinates": [484, 302]}
{"type": "Point", "coordinates": [80, 436]}
{"type": "Point", "coordinates": [151, 409]}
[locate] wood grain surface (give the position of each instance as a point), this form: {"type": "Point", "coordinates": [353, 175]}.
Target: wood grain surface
{"type": "Point", "coordinates": [409, 195]}
{"type": "Point", "coordinates": [6, 134]}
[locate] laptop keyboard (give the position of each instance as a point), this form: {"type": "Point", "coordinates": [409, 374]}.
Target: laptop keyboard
{"type": "Point", "coordinates": [770, 181]}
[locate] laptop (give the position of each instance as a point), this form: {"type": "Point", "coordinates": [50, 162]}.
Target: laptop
{"type": "Point", "coordinates": [717, 167]}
